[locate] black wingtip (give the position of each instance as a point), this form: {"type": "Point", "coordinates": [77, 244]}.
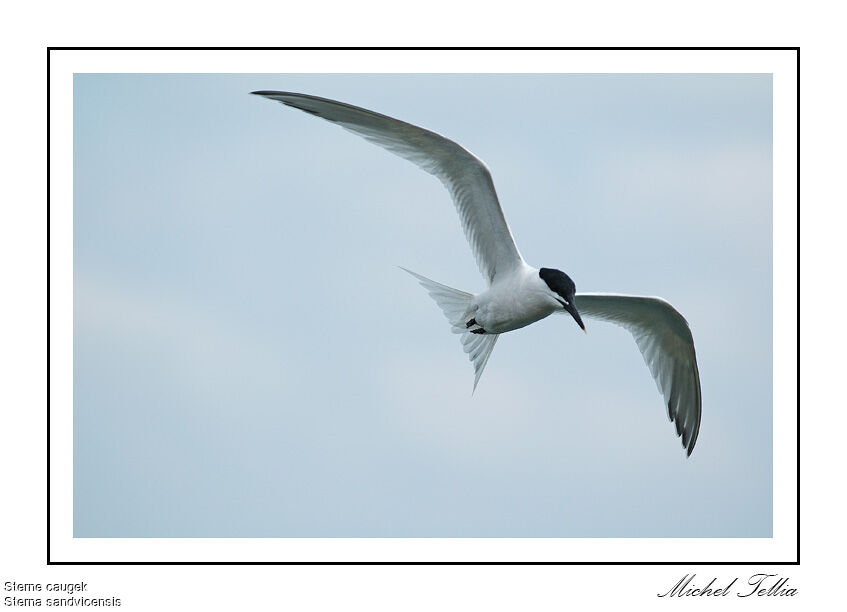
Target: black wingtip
{"type": "Point", "coordinates": [689, 447]}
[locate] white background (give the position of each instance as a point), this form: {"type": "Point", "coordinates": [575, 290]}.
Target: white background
{"type": "Point", "coordinates": [377, 587]}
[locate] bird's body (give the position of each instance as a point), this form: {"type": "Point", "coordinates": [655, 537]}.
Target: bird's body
{"type": "Point", "coordinates": [519, 294]}
{"type": "Point", "coordinates": [512, 302]}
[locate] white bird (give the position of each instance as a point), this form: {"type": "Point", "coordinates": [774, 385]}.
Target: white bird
{"type": "Point", "coordinates": [517, 293]}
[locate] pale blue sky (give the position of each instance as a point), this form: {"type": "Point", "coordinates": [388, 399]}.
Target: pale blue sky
{"type": "Point", "coordinates": [250, 362]}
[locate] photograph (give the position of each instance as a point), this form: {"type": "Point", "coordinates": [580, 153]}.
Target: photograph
{"type": "Point", "coordinates": [318, 305]}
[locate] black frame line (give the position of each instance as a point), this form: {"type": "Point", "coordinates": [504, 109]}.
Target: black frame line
{"type": "Point", "coordinates": [622, 563]}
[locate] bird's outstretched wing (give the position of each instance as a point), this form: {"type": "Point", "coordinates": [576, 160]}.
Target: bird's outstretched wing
{"type": "Point", "coordinates": [665, 342]}
{"type": "Point", "coordinates": [466, 177]}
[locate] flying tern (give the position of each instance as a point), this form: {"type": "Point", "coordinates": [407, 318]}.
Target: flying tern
{"type": "Point", "coordinates": [519, 294]}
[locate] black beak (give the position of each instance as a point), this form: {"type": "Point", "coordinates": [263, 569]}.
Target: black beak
{"type": "Point", "coordinates": [572, 309]}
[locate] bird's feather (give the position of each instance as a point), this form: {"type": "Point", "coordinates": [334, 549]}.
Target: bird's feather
{"type": "Point", "coordinates": [665, 342]}
{"type": "Point", "coordinates": [455, 305]}
{"type": "Point", "coordinates": [465, 176]}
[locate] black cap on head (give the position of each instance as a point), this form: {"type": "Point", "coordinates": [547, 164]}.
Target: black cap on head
{"type": "Point", "coordinates": [558, 281]}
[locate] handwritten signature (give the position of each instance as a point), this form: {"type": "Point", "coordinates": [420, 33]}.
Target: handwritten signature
{"type": "Point", "coordinates": [761, 585]}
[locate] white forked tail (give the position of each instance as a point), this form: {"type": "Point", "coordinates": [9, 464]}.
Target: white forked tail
{"type": "Point", "coordinates": [456, 307]}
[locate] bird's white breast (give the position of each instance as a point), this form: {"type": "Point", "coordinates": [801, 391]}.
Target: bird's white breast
{"type": "Point", "coordinates": [513, 302]}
